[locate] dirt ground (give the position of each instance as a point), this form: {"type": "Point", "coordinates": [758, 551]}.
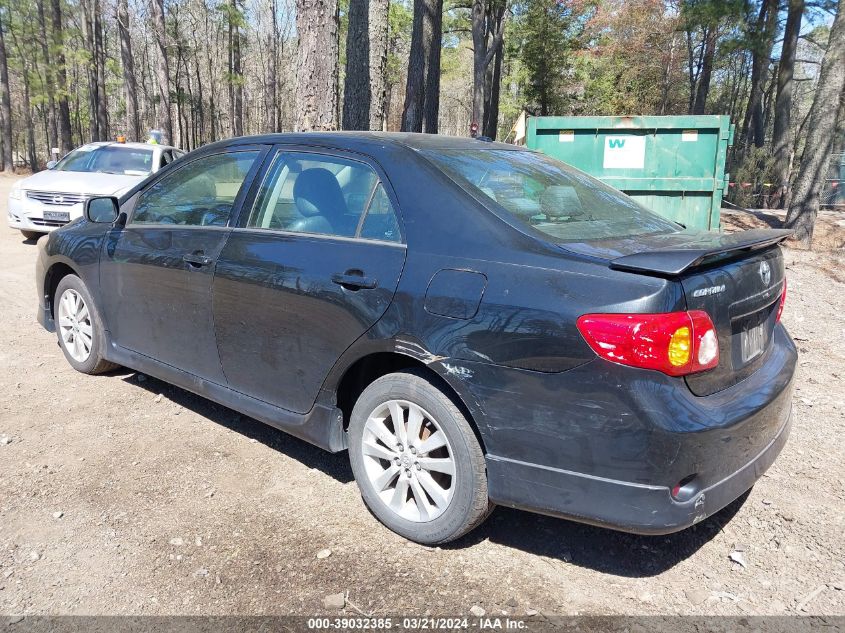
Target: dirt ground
{"type": "Point", "coordinates": [120, 494]}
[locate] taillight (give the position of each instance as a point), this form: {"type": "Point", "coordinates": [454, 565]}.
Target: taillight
{"type": "Point", "coordinates": [782, 302]}
{"type": "Point", "coordinates": [676, 343]}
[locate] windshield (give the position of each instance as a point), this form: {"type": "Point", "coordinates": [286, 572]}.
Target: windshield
{"type": "Point", "coordinates": [108, 159]}
{"type": "Point", "coordinates": [549, 196]}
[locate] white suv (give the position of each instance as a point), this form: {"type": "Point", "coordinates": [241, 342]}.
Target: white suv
{"type": "Point", "coordinates": [53, 197]}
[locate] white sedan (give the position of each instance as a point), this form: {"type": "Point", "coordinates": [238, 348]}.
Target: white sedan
{"type": "Point", "coordinates": [53, 197]}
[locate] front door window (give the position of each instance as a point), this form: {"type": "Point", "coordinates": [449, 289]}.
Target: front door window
{"type": "Point", "coordinates": [201, 193]}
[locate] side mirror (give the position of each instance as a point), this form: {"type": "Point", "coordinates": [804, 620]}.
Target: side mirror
{"type": "Point", "coordinates": [52, 163]}
{"type": "Point", "coordinates": [103, 210]}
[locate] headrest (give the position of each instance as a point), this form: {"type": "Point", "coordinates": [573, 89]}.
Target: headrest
{"type": "Point", "coordinates": [316, 192]}
{"type": "Point", "coordinates": [201, 187]}
{"type": "Point", "coordinates": [560, 200]}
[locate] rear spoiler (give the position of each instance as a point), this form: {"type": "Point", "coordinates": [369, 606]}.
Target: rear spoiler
{"type": "Point", "coordinates": [674, 261]}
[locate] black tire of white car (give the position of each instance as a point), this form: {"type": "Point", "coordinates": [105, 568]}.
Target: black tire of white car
{"type": "Point", "coordinates": [95, 363]}
{"type": "Point", "coordinates": [469, 504]}
{"type": "Point", "coordinates": [31, 235]}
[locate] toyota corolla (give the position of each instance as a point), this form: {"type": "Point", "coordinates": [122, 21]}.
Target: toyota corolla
{"type": "Point", "coordinates": [477, 324]}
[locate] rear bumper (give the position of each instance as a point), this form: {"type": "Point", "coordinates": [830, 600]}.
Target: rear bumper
{"type": "Point", "coordinates": [629, 507]}
{"type": "Point", "coordinates": [605, 444]}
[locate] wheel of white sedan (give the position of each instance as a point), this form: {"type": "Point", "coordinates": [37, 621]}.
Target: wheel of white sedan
{"type": "Point", "coordinates": [416, 459]}
{"type": "Point", "coordinates": [78, 327]}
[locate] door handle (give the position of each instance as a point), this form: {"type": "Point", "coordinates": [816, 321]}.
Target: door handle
{"type": "Point", "coordinates": [197, 259]}
{"type": "Point", "coordinates": [354, 280]}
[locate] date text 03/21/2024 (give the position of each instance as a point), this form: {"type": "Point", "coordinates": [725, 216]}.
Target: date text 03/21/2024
{"type": "Point", "coordinates": [418, 624]}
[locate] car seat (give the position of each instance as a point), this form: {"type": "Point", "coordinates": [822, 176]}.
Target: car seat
{"type": "Point", "coordinates": [320, 201]}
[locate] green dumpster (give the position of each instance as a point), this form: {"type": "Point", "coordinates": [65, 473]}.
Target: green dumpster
{"type": "Point", "coordinates": [673, 165]}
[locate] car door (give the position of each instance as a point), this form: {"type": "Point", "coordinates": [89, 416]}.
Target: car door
{"type": "Point", "coordinates": [156, 272]}
{"type": "Point", "coordinates": [313, 265]}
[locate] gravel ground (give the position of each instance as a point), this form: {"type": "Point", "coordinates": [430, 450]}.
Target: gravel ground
{"type": "Point", "coordinates": [120, 494]}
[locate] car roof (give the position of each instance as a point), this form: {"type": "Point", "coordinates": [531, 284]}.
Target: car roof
{"type": "Point", "coordinates": [133, 145]}
{"type": "Point", "coordinates": [369, 141]}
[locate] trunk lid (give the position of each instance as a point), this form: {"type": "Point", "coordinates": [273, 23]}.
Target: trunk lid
{"type": "Point", "coordinates": [736, 278]}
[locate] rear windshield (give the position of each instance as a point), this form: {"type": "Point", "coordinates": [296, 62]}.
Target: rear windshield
{"type": "Point", "coordinates": [108, 159]}
{"type": "Point", "coordinates": [549, 196]}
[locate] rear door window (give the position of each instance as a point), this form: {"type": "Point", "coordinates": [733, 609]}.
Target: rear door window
{"type": "Point", "coordinates": [327, 195]}
{"type": "Point", "coordinates": [380, 223]}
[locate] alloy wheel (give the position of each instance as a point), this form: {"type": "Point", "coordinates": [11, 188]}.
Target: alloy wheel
{"type": "Point", "coordinates": [75, 325]}
{"type": "Point", "coordinates": [408, 460]}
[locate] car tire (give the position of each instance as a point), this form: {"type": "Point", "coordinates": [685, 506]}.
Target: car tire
{"type": "Point", "coordinates": [79, 327]}
{"type": "Point", "coordinates": [421, 500]}
{"type": "Point", "coordinates": [31, 235]}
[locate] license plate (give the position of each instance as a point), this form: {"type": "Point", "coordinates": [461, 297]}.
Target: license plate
{"type": "Point", "coordinates": [57, 216]}
{"type": "Point", "coordinates": [752, 342]}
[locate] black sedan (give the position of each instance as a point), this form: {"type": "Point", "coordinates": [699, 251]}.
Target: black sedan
{"type": "Point", "coordinates": [476, 323]}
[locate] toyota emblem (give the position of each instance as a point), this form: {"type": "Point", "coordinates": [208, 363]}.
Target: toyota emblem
{"type": "Point", "coordinates": [765, 272]}
{"type": "Point", "coordinates": [58, 199]}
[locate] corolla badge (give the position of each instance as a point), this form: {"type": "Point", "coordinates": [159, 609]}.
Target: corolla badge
{"type": "Point", "coordinates": [706, 292]}
{"type": "Point", "coordinates": [765, 272]}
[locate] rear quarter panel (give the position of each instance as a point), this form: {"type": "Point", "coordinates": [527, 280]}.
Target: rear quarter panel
{"type": "Point", "coordinates": [534, 291]}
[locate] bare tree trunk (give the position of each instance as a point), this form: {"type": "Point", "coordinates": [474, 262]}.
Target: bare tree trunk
{"type": "Point", "coordinates": [703, 88]}
{"type": "Point", "coordinates": [379, 29]}
{"type": "Point", "coordinates": [491, 110]}
{"type": "Point", "coordinates": [479, 60]}
{"type": "Point", "coordinates": [133, 123]}
{"type": "Point", "coordinates": [178, 92]}
{"type": "Point", "coordinates": [200, 100]}
{"type": "Point", "coordinates": [839, 146]}
{"type": "Point", "coordinates": [190, 124]}
{"type": "Point", "coordinates": [64, 125]}
{"type": "Point", "coordinates": [164, 116]}
{"type": "Point", "coordinates": [271, 82]}
{"type": "Point", "coordinates": [428, 16]}
{"type": "Point", "coordinates": [91, 69]}
{"type": "Point", "coordinates": [356, 87]}
{"type": "Point", "coordinates": [5, 104]}
{"type": "Point", "coordinates": [236, 89]}
{"type": "Point", "coordinates": [781, 141]}
{"type": "Point", "coordinates": [755, 92]}
{"type": "Point", "coordinates": [821, 121]}
{"type": "Point", "coordinates": [316, 65]}
{"type": "Point", "coordinates": [52, 129]}
{"type": "Point", "coordinates": [2, 145]}
{"type": "Point", "coordinates": [764, 34]}
{"type": "Point", "coordinates": [100, 54]}
{"type": "Point", "coordinates": [667, 76]}
{"type": "Point", "coordinates": [487, 33]}
{"type": "Point", "coordinates": [431, 102]}
{"type": "Point", "coordinates": [694, 71]}
{"type": "Point", "coordinates": [31, 158]}
{"type": "Point", "coordinates": [366, 59]}
{"type": "Point", "coordinates": [147, 98]}
{"type": "Point", "coordinates": [231, 68]}
{"type": "Point", "coordinates": [212, 108]}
